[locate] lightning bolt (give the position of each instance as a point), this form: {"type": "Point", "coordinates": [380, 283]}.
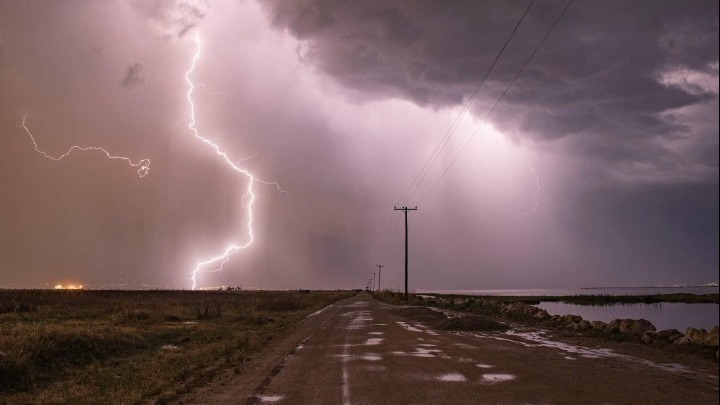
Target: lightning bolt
{"type": "Point", "coordinates": [142, 166]}
{"type": "Point", "coordinates": [535, 204]}
{"type": "Point", "coordinates": [216, 263]}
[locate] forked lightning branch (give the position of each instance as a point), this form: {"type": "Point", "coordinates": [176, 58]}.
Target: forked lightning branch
{"type": "Point", "coordinates": [214, 263]}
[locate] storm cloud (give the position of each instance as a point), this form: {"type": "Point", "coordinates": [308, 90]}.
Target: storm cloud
{"type": "Point", "coordinates": [342, 103]}
{"type": "Point", "coordinates": [627, 83]}
{"type": "Point", "coordinates": [133, 76]}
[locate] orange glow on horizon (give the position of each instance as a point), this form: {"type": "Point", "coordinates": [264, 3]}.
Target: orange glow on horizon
{"type": "Point", "coordinates": [68, 287]}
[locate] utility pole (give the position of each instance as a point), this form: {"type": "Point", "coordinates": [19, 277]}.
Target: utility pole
{"type": "Point", "coordinates": [379, 266]}
{"type": "Point", "coordinates": [406, 209]}
{"type": "Point", "coordinates": [373, 287]}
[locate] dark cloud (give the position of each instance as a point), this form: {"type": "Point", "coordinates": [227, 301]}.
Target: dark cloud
{"type": "Point", "coordinates": [601, 80]}
{"type": "Point", "coordinates": [668, 232]}
{"type": "Point", "coordinates": [625, 107]}
{"type": "Point", "coordinates": [171, 18]}
{"type": "Point", "coordinates": [133, 76]}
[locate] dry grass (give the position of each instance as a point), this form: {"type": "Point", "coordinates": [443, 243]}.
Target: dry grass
{"type": "Point", "coordinates": [123, 347]}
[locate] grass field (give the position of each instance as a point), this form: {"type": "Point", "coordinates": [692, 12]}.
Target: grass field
{"type": "Point", "coordinates": [123, 347]}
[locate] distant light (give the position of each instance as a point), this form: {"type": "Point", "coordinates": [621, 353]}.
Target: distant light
{"type": "Point", "coordinates": [68, 287]}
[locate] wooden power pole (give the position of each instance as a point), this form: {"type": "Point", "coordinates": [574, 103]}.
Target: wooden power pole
{"type": "Point", "coordinates": [379, 266]}
{"type": "Point", "coordinates": [406, 209]}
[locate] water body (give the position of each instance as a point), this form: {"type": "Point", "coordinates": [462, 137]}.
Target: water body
{"type": "Point", "coordinates": [668, 315]}
{"type": "Point", "coordinates": [664, 315]}
{"type": "Point", "coordinates": [585, 291]}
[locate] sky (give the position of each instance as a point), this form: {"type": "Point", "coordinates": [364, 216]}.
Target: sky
{"type": "Point", "coordinates": [598, 167]}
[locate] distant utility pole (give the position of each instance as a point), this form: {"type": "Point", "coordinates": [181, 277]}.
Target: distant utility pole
{"type": "Point", "coordinates": [373, 288]}
{"type": "Point", "coordinates": [379, 266]}
{"type": "Point", "coordinates": [406, 209]}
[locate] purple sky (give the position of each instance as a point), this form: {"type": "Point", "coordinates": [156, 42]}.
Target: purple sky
{"type": "Point", "coordinates": [342, 103]}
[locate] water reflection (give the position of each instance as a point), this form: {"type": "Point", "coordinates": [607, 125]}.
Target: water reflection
{"type": "Point", "coordinates": [663, 315]}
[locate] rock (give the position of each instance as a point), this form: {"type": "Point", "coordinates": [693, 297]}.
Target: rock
{"type": "Point", "coordinates": [541, 314]}
{"type": "Point", "coordinates": [651, 337]}
{"type": "Point", "coordinates": [635, 327]}
{"type": "Point", "coordinates": [695, 336]}
{"type": "Point", "coordinates": [532, 310]}
{"type": "Point", "coordinates": [625, 325]}
{"type": "Point", "coordinates": [614, 326]}
{"type": "Point", "coordinates": [584, 325]}
{"type": "Point", "coordinates": [643, 325]}
{"type": "Point", "coordinates": [712, 338]}
{"type": "Point", "coordinates": [682, 341]}
{"type": "Point", "coordinates": [570, 319]}
{"type": "Point", "coordinates": [670, 335]}
{"type": "Point", "coordinates": [598, 325]}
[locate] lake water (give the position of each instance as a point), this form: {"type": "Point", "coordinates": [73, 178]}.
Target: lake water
{"type": "Point", "coordinates": [664, 316]}
{"type": "Point", "coordinates": [584, 291]}
{"type": "Point", "coordinates": [668, 315]}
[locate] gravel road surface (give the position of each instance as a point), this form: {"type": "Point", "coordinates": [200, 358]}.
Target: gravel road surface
{"type": "Point", "coordinates": [358, 351]}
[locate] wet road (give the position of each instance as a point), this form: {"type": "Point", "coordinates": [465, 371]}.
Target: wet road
{"type": "Point", "coordinates": [358, 352]}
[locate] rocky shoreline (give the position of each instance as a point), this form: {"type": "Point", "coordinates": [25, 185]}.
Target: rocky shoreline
{"type": "Point", "coordinates": [638, 330]}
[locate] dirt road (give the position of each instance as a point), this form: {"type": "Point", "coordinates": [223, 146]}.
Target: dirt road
{"type": "Point", "coordinates": [358, 352]}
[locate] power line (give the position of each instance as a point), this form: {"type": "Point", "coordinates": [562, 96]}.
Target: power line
{"type": "Point", "coordinates": [507, 89]}
{"type": "Point", "coordinates": [425, 170]}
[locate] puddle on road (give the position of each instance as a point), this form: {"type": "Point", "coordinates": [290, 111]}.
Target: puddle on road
{"type": "Point", "coordinates": [376, 333]}
{"type": "Point", "coordinates": [465, 360]}
{"type": "Point", "coordinates": [364, 356]}
{"type": "Point", "coordinates": [360, 319]}
{"type": "Point", "coordinates": [408, 327]}
{"type": "Point", "coordinates": [540, 340]}
{"type": "Point", "coordinates": [451, 377]}
{"type": "Point", "coordinates": [410, 354]}
{"type": "Point", "coordinates": [484, 365]}
{"type": "Point", "coordinates": [373, 368]}
{"type": "Point", "coordinates": [421, 352]}
{"type": "Point", "coordinates": [269, 398]}
{"type": "Point", "coordinates": [537, 339]}
{"type": "Point", "coordinates": [370, 357]}
{"type": "Point", "coordinates": [373, 341]}
{"type": "Point", "coordinates": [495, 378]}
{"type": "Point", "coordinates": [357, 304]}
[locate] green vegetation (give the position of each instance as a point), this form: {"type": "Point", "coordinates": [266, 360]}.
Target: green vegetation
{"type": "Point", "coordinates": [123, 347]}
